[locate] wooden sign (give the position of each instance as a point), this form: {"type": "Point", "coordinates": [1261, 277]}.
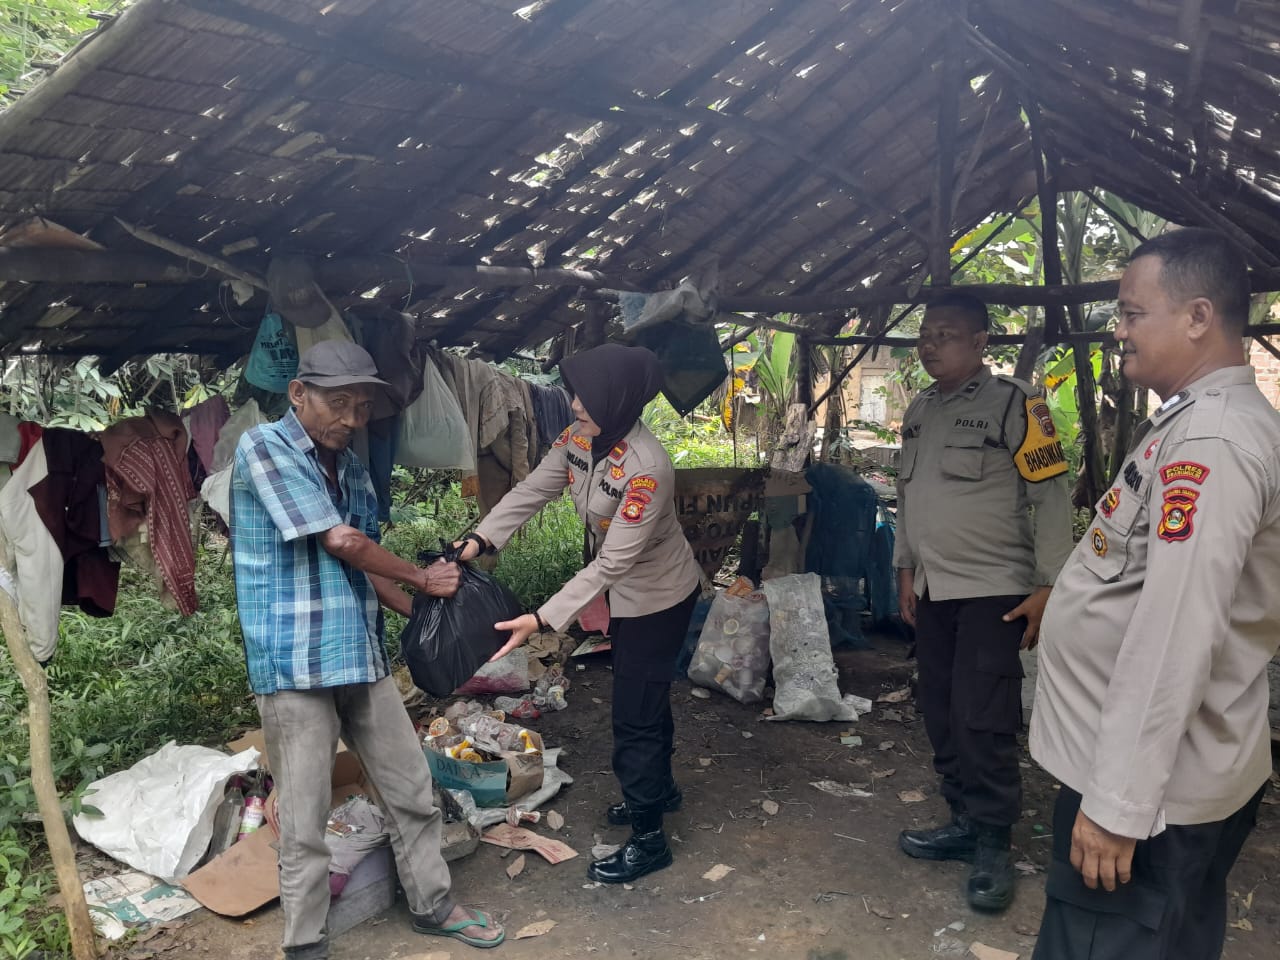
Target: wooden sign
{"type": "Point", "coordinates": [713, 503]}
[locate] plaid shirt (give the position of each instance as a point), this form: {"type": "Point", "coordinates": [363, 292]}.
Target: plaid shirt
{"type": "Point", "coordinates": [309, 620]}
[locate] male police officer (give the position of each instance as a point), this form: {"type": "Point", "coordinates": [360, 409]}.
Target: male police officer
{"type": "Point", "coordinates": [984, 524]}
{"type": "Point", "coordinates": [1151, 701]}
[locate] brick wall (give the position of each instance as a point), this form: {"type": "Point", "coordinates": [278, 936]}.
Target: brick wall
{"type": "Point", "coordinates": [1267, 369]}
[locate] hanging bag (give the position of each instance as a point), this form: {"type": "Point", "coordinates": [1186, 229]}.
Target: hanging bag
{"type": "Point", "coordinates": [273, 361]}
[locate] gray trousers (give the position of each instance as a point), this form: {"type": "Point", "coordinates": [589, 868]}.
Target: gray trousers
{"type": "Point", "coordinates": [302, 729]}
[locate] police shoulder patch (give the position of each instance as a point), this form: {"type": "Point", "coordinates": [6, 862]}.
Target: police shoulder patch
{"type": "Point", "coordinates": [1040, 456]}
{"type": "Point", "coordinates": [563, 438]}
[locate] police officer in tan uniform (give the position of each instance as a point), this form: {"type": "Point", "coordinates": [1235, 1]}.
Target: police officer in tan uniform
{"type": "Point", "coordinates": [1151, 699]}
{"type": "Point", "coordinates": [984, 524]}
{"type": "Point", "coordinates": [623, 485]}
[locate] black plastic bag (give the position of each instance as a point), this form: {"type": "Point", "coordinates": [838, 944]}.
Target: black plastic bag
{"type": "Point", "coordinates": [447, 639]}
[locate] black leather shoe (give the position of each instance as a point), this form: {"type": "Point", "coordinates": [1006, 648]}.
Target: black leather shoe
{"type": "Point", "coordinates": [991, 881]}
{"type": "Point", "coordinates": [643, 853]}
{"type": "Point", "coordinates": [620, 814]}
{"type": "Point", "coordinates": [958, 840]}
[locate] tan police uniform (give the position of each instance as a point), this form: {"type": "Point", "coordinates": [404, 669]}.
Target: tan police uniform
{"type": "Point", "coordinates": [983, 508]}
{"type": "Point", "coordinates": [627, 501]}
{"type": "Point", "coordinates": [984, 517]}
{"type": "Point", "coordinates": [1151, 700]}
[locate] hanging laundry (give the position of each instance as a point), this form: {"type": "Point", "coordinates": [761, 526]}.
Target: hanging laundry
{"type": "Point", "coordinates": [203, 422]}
{"type": "Point", "coordinates": [10, 439]}
{"type": "Point", "coordinates": [216, 489]}
{"type": "Point", "coordinates": [147, 479]}
{"type": "Point", "coordinates": [67, 502]}
{"type": "Point", "coordinates": [31, 556]}
{"type": "Point", "coordinates": [551, 410]}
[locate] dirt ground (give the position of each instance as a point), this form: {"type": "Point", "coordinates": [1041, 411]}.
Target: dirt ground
{"type": "Point", "coordinates": [822, 879]}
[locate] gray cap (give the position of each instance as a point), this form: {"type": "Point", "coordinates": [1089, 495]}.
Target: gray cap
{"type": "Point", "coordinates": [294, 291]}
{"type": "Point", "coordinates": [341, 363]}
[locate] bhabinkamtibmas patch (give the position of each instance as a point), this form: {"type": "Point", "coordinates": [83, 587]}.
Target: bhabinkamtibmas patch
{"type": "Point", "coordinates": [1041, 456]}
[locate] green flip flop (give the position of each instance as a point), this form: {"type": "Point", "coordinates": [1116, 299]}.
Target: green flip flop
{"type": "Point", "coordinates": [477, 918]}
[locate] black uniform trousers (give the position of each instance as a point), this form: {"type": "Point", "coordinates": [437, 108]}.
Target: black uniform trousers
{"type": "Point", "coordinates": [1173, 908]}
{"type": "Point", "coordinates": [644, 657]}
{"type": "Point", "coordinates": [970, 693]}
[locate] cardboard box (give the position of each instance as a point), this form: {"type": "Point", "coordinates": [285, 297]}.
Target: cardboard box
{"type": "Point", "coordinates": [245, 877]}
{"type": "Point", "coordinates": [493, 784]}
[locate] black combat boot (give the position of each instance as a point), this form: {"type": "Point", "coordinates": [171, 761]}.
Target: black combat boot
{"type": "Point", "coordinates": [991, 881]}
{"type": "Point", "coordinates": [620, 814]}
{"type": "Point", "coordinates": [958, 840]}
{"type": "Point", "coordinates": [644, 852]}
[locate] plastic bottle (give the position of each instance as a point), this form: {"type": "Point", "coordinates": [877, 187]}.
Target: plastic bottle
{"type": "Point", "coordinates": [226, 821]}
{"type": "Point", "coordinates": [255, 808]}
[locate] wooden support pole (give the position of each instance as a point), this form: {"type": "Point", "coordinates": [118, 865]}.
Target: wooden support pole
{"type": "Point", "coordinates": [949, 78]}
{"type": "Point", "coordinates": [84, 946]}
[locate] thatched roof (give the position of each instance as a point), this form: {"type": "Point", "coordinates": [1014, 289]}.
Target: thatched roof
{"type": "Point", "coordinates": [796, 142]}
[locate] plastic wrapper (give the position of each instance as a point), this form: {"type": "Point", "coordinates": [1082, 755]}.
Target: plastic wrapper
{"type": "Point", "coordinates": [733, 651]}
{"type": "Point", "coordinates": [804, 673]}
{"type": "Point", "coordinates": [508, 675]}
{"type": "Point", "coordinates": [433, 431]}
{"type": "Point", "coordinates": [447, 639]}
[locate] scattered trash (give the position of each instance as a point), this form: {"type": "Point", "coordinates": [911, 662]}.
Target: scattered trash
{"type": "Point", "coordinates": [894, 715]}
{"type": "Point", "coordinates": [516, 868]}
{"type": "Point", "coordinates": [761, 938]}
{"type": "Point", "coordinates": [911, 796]}
{"type": "Point", "coordinates": [983, 952]}
{"type": "Point", "coordinates": [882, 774]}
{"type": "Point", "coordinates": [554, 820]}
{"type": "Point", "coordinates": [885, 745]}
{"type": "Point", "coordinates": [957, 926]}
{"type": "Point", "coordinates": [505, 835]}
{"type": "Point", "coordinates": [882, 913]}
{"type": "Point", "coordinates": [747, 734]}
{"type": "Point", "coordinates": [1026, 866]}
{"type": "Point", "coordinates": [770, 808]}
{"type": "Point", "coordinates": [841, 789]}
{"type": "Point", "coordinates": [601, 850]}
{"type": "Point", "coordinates": [704, 761]}
{"type": "Point", "coordinates": [134, 901]}
{"type": "Point", "coordinates": [595, 885]}
{"type": "Point", "coordinates": [535, 929]}
{"type": "Point", "coordinates": [703, 898]}
{"type": "Point", "coordinates": [717, 873]}
{"type": "Point", "coordinates": [1241, 924]}
{"type": "Point", "coordinates": [732, 655]}
{"type": "Point", "coordinates": [516, 816]}
{"type": "Point", "coordinates": [896, 696]}
{"type": "Point", "coordinates": [627, 886]}
{"type": "Point", "coordinates": [851, 740]}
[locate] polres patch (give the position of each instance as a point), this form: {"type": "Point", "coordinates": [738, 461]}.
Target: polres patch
{"type": "Point", "coordinates": [1177, 510]}
{"type": "Point", "coordinates": [643, 482]}
{"type": "Point", "coordinates": [1184, 471]}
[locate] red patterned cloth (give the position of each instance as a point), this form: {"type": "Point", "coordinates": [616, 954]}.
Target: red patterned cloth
{"type": "Point", "coordinates": [147, 479]}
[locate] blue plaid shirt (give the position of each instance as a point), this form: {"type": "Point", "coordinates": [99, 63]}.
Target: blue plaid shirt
{"type": "Point", "coordinates": [309, 620]}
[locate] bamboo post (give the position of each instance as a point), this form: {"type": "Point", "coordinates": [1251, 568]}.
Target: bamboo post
{"type": "Point", "coordinates": [1056, 325]}
{"type": "Point", "coordinates": [84, 946]}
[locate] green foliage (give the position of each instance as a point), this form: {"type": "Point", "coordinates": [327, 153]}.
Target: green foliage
{"type": "Point", "coordinates": [39, 30]}
{"type": "Point", "coordinates": [26, 921]}
{"type": "Point", "coordinates": [698, 440]}
{"type": "Point", "coordinates": [75, 394]}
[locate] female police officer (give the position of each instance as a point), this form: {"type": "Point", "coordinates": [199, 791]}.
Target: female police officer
{"type": "Point", "coordinates": [622, 484]}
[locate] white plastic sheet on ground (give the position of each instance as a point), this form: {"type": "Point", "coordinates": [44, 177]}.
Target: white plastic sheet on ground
{"type": "Point", "coordinates": [157, 816]}
{"type": "Point", "coordinates": [804, 673]}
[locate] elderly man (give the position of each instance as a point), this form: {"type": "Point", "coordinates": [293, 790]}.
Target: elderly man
{"type": "Point", "coordinates": [310, 582]}
{"type": "Point", "coordinates": [984, 524]}
{"type": "Point", "coordinates": [1151, 702]}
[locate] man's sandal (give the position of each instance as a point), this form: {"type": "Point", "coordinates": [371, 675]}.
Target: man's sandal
{"type": "Point", "coordinates": [453, 931]}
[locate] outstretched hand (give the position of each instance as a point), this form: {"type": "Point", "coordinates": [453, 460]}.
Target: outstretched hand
{"type": "Point", "coordinates": [522, 628]}
{"type": "Point", "coordinates": [440, 579]}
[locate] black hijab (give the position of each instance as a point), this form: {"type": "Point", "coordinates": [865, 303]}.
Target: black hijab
{"type": "Point", "coordinates": [614, 383]}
